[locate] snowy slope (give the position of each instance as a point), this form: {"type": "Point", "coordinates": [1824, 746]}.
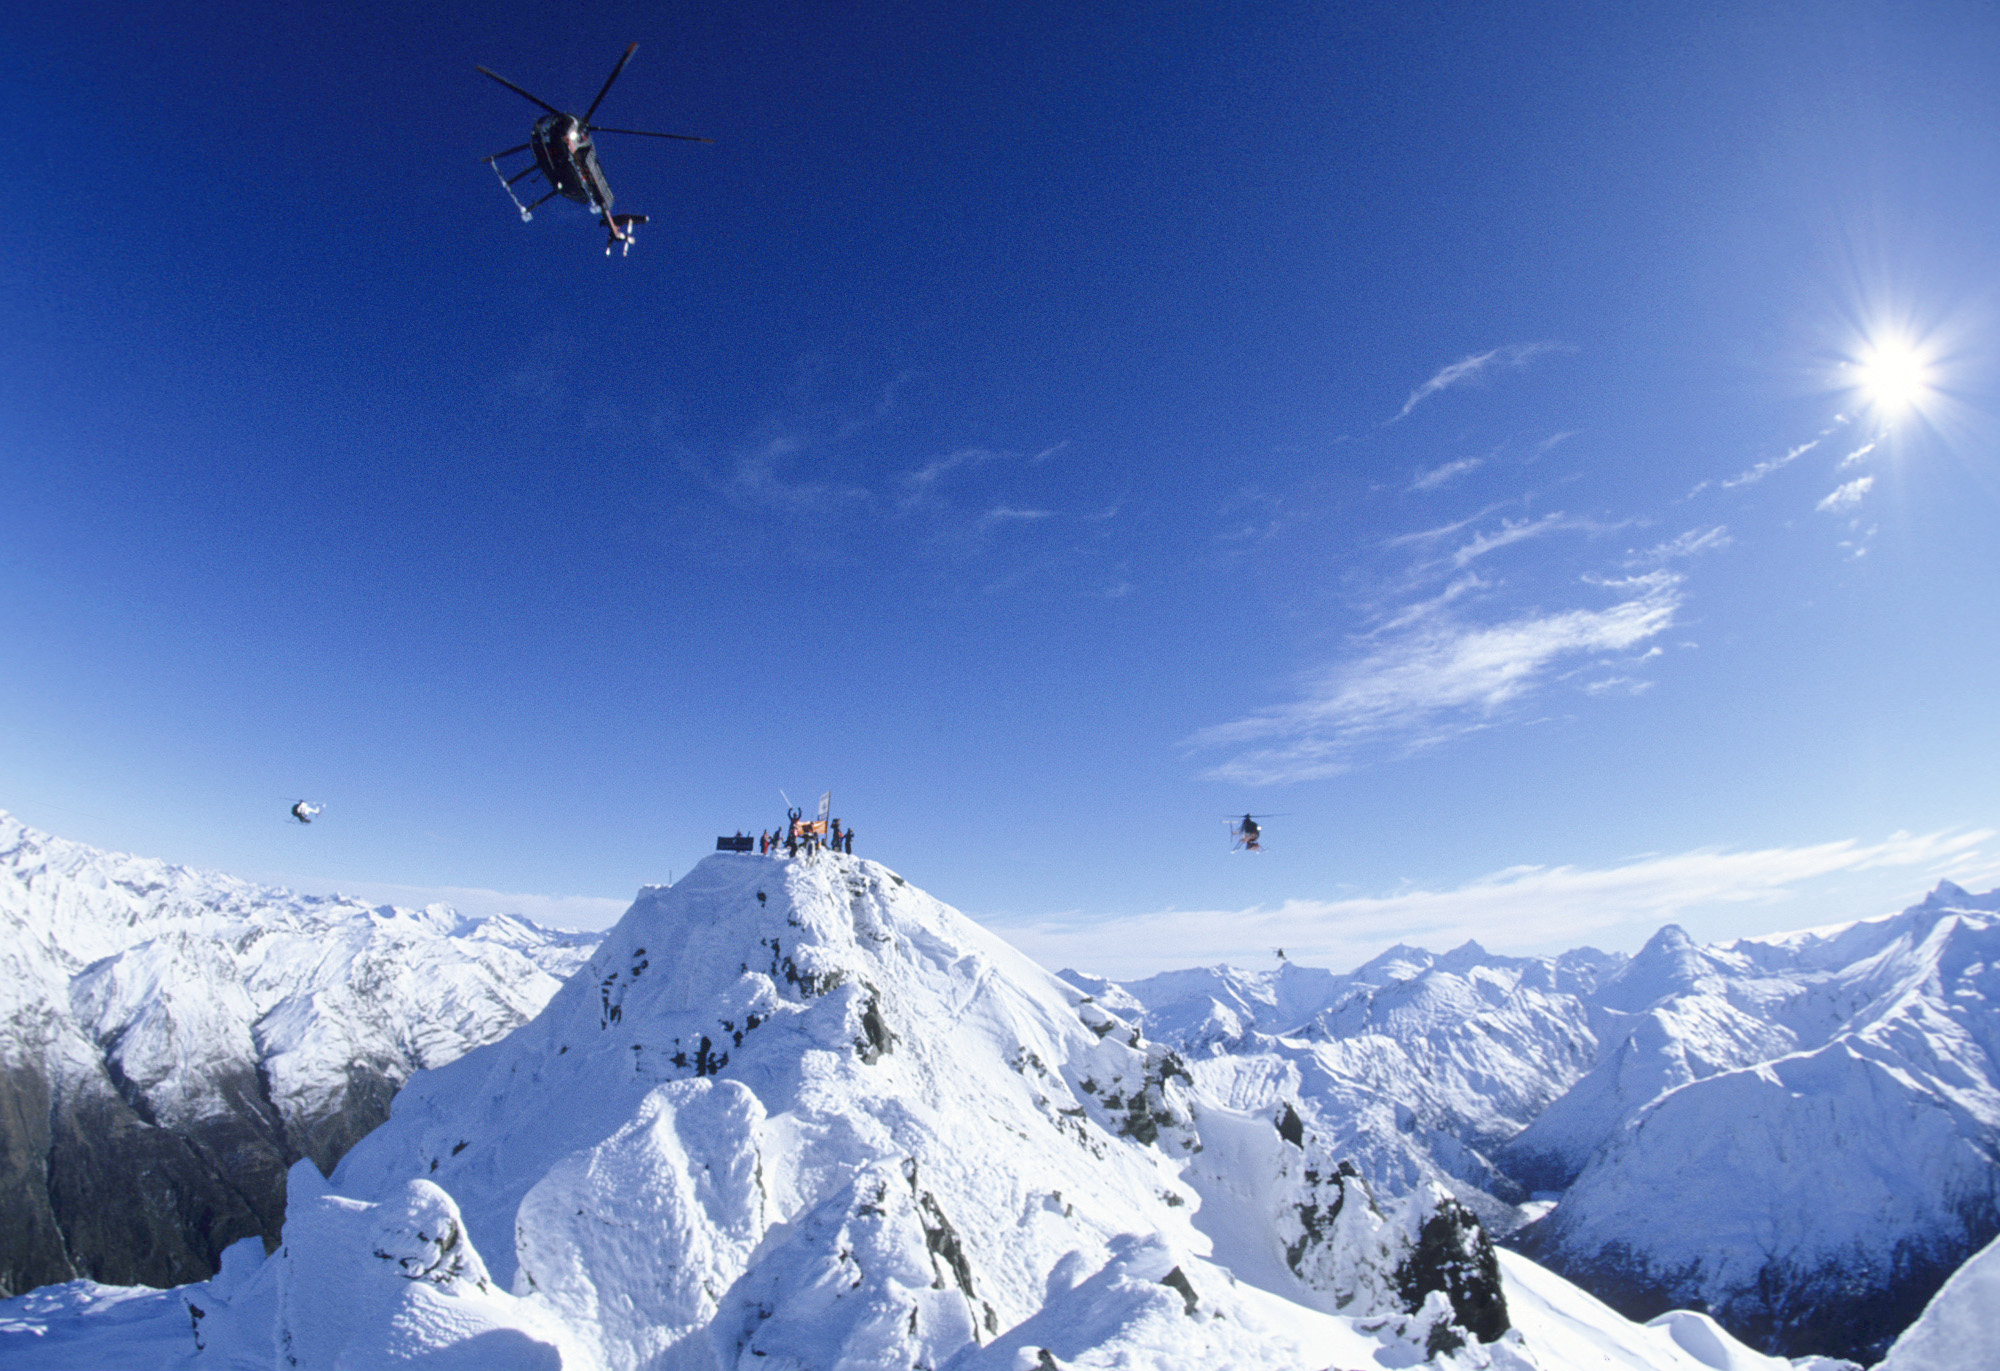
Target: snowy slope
{"type": "Point", "coordinates": [1959, 1329]}
{"type": "Point", "coordinates": [171, 1040]}
{"type": "Point", "coordinates": [1798, 1132]}
{"type": "Point", "coordinates": [1417, 1065]}
{"type": "Point", "coordinates": [799, 1115]}
{"type": "Point", "coordinates": [1825, 1128]}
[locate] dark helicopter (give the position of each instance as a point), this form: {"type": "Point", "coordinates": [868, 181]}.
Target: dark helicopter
{"type": "Point", "coordinates": [1247, 835]}
{"type": "Point", "coordinates": [567, 158]}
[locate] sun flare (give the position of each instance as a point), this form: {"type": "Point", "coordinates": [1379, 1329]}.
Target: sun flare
{"type": "Point", "coordinates": [1894, 375]}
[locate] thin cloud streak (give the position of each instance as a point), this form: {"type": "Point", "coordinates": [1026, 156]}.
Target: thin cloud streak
{"type": "Point", "coordinates": [923, 478]}
{"type": "Point", "coordinates": [1688, 544]}
{"type": "Point", "coordinates": [1519, 908]}
{"type": "Point", "coordinates": [1423, 609]}
{"type": "Point", "coordinates": [1846, 497]}
{"type": "Point", "coordinates": [1435, 683]}
{"type": "Point", "coordinates": [1766, 467]}
{"type": "Point", "coordinates": [1006, 514]}
{"type": "Point", "coordinates": [1471, 369]}
{"type": "Point", "coordinates": [1450, 471]}
{"type": "Point", "coordinates": [1514, 531]}
{"type": "Point", "coordinates": [1432, 535]}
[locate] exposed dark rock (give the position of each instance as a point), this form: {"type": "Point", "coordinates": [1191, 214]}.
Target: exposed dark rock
{"type": "Point", "coordinates": [1326, 1197]}
{"type": "Point", "coordinates": [1177, 1280]}
{"type": "Point", "coordinates": [942, 1240]}
{"type": "Point", "coordinates": [326, 1139]}
{"type": "Point", "coordinates": [91, 1186]}
{"type": "Point", "coordinates": [1291, 1127]}
{"type": "Point", "coordinates": [1453, 1255]}
{"type": "Point", "coordinates": [876, 1039]}
{"type": "Point", "coordinates": [32, 1249]}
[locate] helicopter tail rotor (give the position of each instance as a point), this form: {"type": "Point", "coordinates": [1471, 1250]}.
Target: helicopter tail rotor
{"type": "Point", "coordinates": [621, 226]}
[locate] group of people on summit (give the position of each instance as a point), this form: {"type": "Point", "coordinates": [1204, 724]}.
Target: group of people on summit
{"type": "Point", "coordinates": [810, 835]}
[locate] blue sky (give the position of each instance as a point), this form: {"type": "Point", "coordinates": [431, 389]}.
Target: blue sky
{"type": "Point", "coordinates": [1052, 428]}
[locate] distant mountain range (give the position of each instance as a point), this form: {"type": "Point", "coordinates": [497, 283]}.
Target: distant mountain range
{"type": "Point", "coordinates": [1797, 1133]}
{"type": "Point", "coordinates": [779, 1082]}
{"type": "Point", "coordinates": [800, 1116]}
{"type": "Point", "coordinates": [171, 1041]}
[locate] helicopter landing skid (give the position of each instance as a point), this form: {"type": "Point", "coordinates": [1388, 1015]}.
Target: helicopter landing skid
{"type": "Point", "coordinates": [527, 211]}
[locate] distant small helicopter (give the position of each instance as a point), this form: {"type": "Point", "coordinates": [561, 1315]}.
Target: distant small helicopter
{"type": "Point", "coordinates": [1246, 834]}
{"type": "Point", "coordinates": [567, 158]}
{"type": "Point", "coordinates": [305, 810]}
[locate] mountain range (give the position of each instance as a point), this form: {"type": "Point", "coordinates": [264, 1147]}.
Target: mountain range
{"type": "Point", "coordinates": [1796, 1133]}
{"type": "Point", "coordinates": [171, 1041]}
{"type": "Point", "coordinates": [800, 1114]}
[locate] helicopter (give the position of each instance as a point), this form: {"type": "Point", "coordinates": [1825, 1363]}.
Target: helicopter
{"type": "Point", "coordinates": [304, 811]}
{"type": "Point", "coordinates": [567, 158]}
{"type": "Point", "coordinates": [1246, 834]}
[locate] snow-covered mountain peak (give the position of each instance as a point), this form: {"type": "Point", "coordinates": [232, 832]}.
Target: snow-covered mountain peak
{"type": "Point", "coordinates": [1398, 963]}
{"type": "Point", "coordinates": [1951, 895]}
{"type": "Point", "coordinates": [798, 1114]}
{"type": "Point", "coordinates": [1469, 955]}
{"type": "Point", "coordinates": [816, 989]}
{"type": "Point", "coordinates": [1671, 963]}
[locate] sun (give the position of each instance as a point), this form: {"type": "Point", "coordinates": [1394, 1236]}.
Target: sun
{"type": "Point", "coordinates": [1893, 374]}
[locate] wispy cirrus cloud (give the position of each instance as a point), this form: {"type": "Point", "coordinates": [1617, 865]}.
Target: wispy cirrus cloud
{"type": "Point", "coordinates": [1442, 531]}
{"type": "Point", "coordinates": [1437, 680]}
{"type": "Point", "coordinates": [1468, 369]}
{"type": "Point", "coordinates": [1008, 514]}
{"type": "Point", "coordinates": [1450, 471]}
{"type": "Point", "coordinates": [1688, 544]}
{"type": "Point", "coordinates": [1519, 530]}
{"type": "Point", "coordinates": [1754, 474]}
{"type": "Point", "coordinates": [1847, 496]}
{"type": "Point", "coordinates": [1757, 471]}
{"type": "Point", "coordinates": [923, 487]}
{"type": "Point", "coordinates": [1520, 908]}
{"type": "Point", "coordinates": [1417, 610]}
{"type": "Point", "coordinates": [919, 486]}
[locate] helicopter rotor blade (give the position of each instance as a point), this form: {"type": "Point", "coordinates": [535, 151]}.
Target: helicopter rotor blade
{"type": "Point", "coordinates": [607, 82]}
{"type": "Point", "coordinates": [535, 99]}
{"type": "Point", "coordinates": [648, 133]}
